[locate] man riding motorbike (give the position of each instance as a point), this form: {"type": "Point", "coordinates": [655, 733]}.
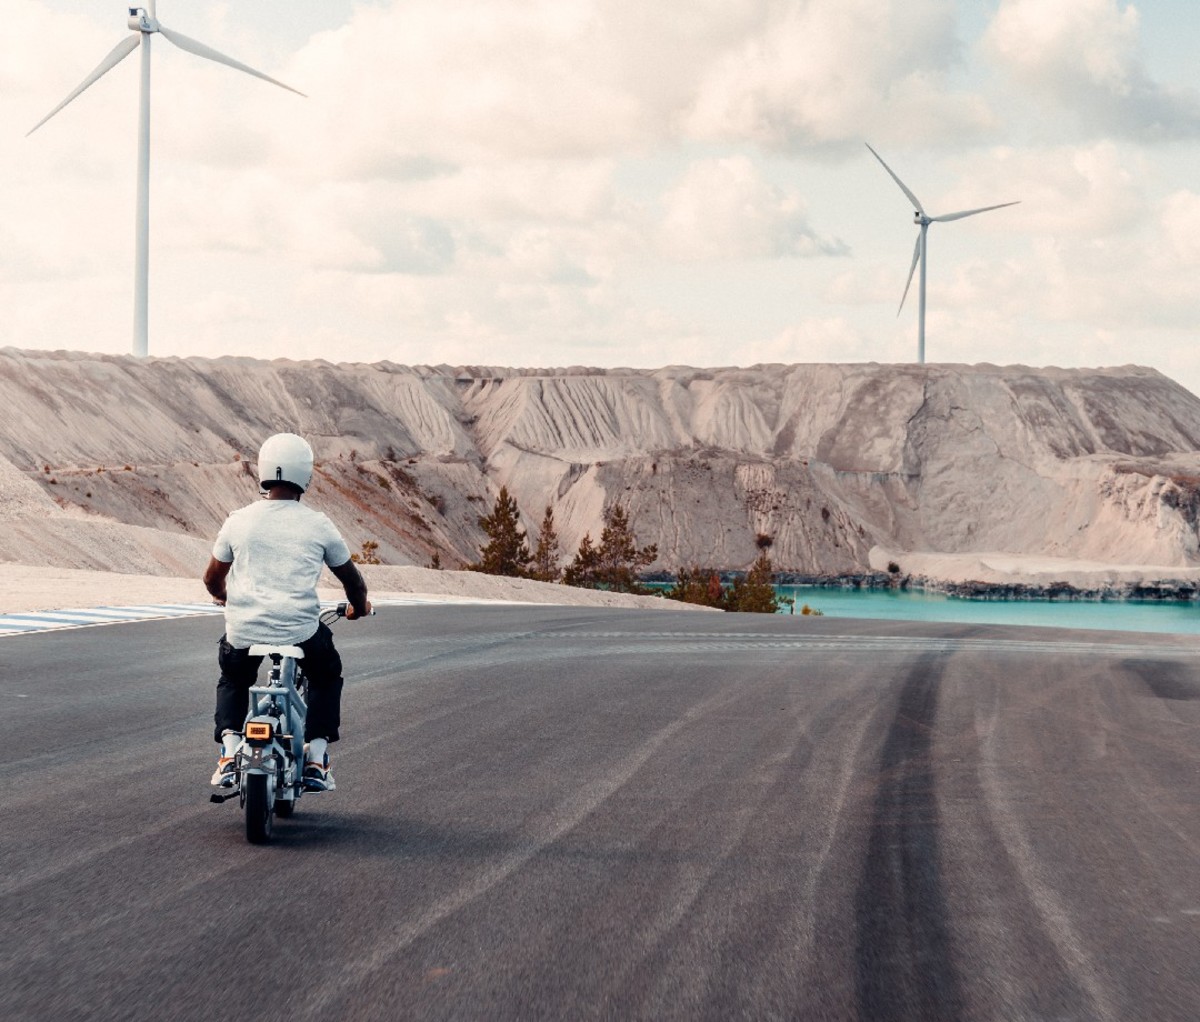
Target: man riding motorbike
{"type": "Point", "coordinates": [264, 569]}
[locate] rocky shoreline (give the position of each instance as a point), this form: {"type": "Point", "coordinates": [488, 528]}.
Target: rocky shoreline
{"type": "Point", "coordinates": [1158, 590]}
{"type": "Point", "coordinates": [1179, 590]}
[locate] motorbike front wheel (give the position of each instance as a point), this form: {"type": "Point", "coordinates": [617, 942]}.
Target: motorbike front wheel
{"type": "Point", "coordinates": [258, 809]}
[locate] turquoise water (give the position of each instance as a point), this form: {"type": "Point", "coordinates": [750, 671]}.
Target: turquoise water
{"type": "Point", "coordinates": [1124, 615]}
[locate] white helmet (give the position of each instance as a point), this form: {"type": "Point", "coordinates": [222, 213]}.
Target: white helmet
{"type": "Point", "coordinates": [285, 458]}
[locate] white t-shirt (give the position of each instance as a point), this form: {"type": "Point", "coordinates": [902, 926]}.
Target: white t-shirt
{"type": "Point", "coordinates": [277, 548]}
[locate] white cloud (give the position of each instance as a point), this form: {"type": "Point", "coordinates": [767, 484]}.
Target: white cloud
{"type": "Point", "coordinates": [825, 339]}
{"type": "Point", "coordinates": [1083, 57]}
{"type": "Point", "coordinates": [724, 209]}
{"type": "Point", "coordinates": [1180, 219]}
{"type": "Point", "coordinates": [401, 90]}
{"type": "Point", "coordinates": [575, 191]}
{"type": "Point", "coordinates": [608, 182]}
{"type": "Point", "coordinates": [816, 74]}
{"type": "Point", "coordinates": [458, 81]}
{"type": "Point", "coordinates": [1092, 189]}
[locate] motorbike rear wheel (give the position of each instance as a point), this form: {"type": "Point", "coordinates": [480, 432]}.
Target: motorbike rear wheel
{"type": "Point", "coordinates": [258, 810]}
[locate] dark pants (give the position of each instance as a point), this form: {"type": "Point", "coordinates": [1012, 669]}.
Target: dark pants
{"type": "Point", "coordinates": [322, 666]}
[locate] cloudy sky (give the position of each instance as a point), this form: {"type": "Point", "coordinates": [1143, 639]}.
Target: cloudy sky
{"type": "Point", "coordinates": [613, 182]}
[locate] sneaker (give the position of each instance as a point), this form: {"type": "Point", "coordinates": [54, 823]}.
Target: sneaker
{"type": "Point", "coordinates": [318, 777]}
{"type": "Point", "coordinates": [223, 776]}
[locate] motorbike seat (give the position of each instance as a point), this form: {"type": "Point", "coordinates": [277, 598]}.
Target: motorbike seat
{"type": "Point", "coordinates": [295, 652]}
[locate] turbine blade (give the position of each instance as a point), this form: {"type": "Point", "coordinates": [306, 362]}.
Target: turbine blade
{"type": "Point", "coordinates": [118, 53]}
{"type": "Point", "coordinates": [970, 212]}
{"type": "Point", "coordinates": [200, 50]}
{"type": "Point", "coordinates": [903, 187]}
{"type": "Point", "coordinates": [911, 270]}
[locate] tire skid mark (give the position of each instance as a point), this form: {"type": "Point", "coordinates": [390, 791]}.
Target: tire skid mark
{"type": "Point", "coordinates": [888, 644]}
{"type": "Point", "coordinates": [1147, 790]}
{"type": "Point", "coordinates": [997, 927]}
{"type": "Point", "coordinates": [137, 900]}
{"type": "Point", "coordinates": [1042, 896]}
{"type": "Point", "coordinates": [75, 856]}
{"type": "Point", "coordinates": [905, 968]}
{"type": "Point", "coordinates": [848, 773]}
{"type": "Point", "coordinates": [693, 879]}
{"type": "Point", "coordinates": [568, 815]}
{"type": "Point", "coordinates": [655, 958]}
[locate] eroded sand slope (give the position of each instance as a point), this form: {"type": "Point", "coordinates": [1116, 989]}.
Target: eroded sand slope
{"type": "Point", "coordinates": [114, 463]}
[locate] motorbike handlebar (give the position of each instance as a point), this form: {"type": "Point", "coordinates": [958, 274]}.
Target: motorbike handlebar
{"type": "Point", "coordinates": [333, 613]}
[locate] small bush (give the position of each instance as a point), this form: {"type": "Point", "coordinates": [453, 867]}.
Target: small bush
{"type": "Point", "coordinates": [697, 585]}
{"type": "Point", "coordinates": [752, 594]}
{"type": "Point", "coordinates": [369, 554]}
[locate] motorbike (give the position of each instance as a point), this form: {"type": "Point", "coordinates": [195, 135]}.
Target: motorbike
{"type": "Point", "coordinates": [269, 762]}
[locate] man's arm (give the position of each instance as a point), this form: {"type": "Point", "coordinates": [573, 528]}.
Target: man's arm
{"type": "Point", "coordinates": [356, 589]}
{"type": "Point", "coordinates": [214, 579]}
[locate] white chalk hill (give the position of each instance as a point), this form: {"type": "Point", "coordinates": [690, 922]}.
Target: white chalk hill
{"type": "Point", "coordinates": [131, 465]}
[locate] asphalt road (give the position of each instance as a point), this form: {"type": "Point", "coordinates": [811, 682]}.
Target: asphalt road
{"type": "Point", "coordinates": [550, 813]}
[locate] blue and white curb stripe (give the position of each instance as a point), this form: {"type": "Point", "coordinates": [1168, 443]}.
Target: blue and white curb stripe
{"type": "Point", "coordinates": [31, 622]}
{"type": "Point", "coordinates": [56, 620]}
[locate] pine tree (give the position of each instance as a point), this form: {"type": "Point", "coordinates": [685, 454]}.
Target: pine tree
{"type": "Point", "coordinates": [697, 585]}
{"type": "Point", "coordinates": [545, 557]}
{"type": "Point", "coordinates": [615, 563]}
{"type": "Point", "coordinates": [582, 571]}
{"type": "Point", "coordinates": [507, 549]}
{"type": "Point", "coordinates": [754, 594]}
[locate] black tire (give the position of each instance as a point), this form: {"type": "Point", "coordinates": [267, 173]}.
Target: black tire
{"type": "Point", "coordinates": [284, 808]}
{"type": "Point", "coordinates": [258, 812]}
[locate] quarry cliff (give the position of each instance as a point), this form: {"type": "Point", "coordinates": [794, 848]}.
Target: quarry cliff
{"type": "Point", "coordinates": [117, 463]}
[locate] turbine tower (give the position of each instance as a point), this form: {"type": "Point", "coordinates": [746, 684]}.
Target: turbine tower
{"type": "Point", "coordinates": [923, 220]}
{"type": "Point", "coordinates": [144, 23]}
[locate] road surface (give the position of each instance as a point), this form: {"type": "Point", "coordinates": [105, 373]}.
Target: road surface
{"type": "Point", "coordinates": [550, 813]}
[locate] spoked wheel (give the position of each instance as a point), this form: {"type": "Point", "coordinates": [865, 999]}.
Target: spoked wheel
{"type": "Point", "coordinates": [258, 810]}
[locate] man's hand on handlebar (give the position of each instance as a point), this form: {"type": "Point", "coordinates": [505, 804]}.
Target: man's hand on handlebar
{"type": "Point", "coordinates": [346, 610]}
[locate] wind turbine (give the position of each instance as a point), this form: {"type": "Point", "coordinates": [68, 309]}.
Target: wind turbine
{"type": "Point", "coordinates": [923, 220]}
{"type": "Point", "coordinates": [144, 23]}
